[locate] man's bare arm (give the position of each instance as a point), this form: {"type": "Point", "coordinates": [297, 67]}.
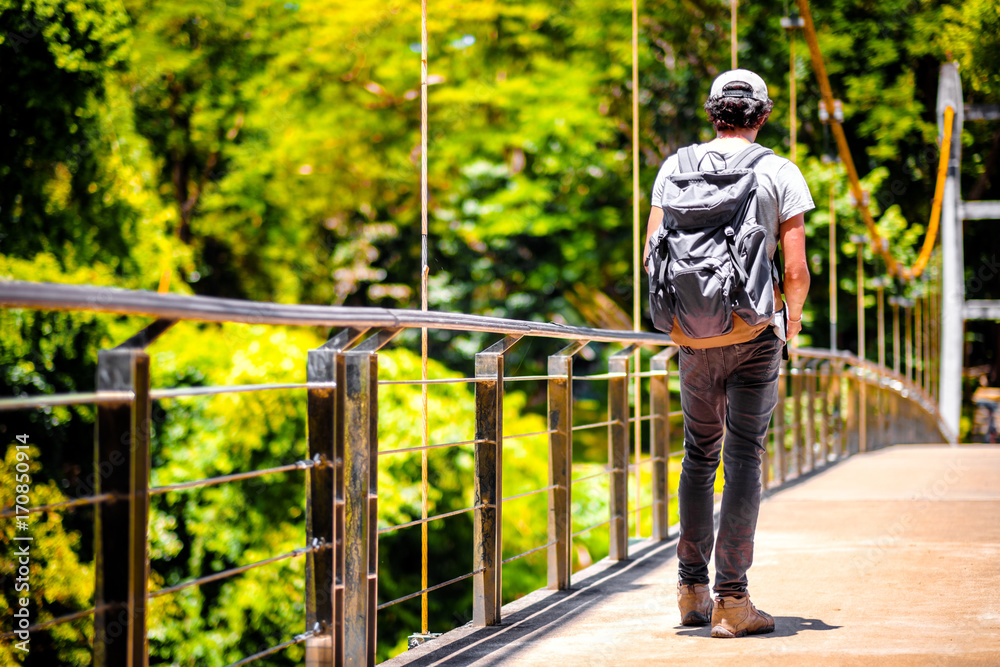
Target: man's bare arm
{"type": "Point", "coordinates": [793, 255]}
{"type": "Point", "coordinates": [655, 218]}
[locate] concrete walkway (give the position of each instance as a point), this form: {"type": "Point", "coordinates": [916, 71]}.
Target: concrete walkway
{"type": "Point", "coordinates": [889, 558]}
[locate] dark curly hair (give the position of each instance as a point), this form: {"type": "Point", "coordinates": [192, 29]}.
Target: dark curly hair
{"type": "Point", "coordinates": [737, 113]}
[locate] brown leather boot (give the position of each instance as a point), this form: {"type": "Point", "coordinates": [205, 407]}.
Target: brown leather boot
{"type": "Point", "coordinates": [695, 602]}
{"type": "Point", "coordinates": [737, 617]}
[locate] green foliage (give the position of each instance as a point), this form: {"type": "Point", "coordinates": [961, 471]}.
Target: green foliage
{"type": "Point", "coordinates": [271, 150]}
{"type": "Point", "coordinates": [967, 32]}
{"type": "Point", "coordinates": [74, 181]}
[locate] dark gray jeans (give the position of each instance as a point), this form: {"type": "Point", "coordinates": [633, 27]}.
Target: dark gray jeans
{"type": "Point", "coordinates": [735, 386]}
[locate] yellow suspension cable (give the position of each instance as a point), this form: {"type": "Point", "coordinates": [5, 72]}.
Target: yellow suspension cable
{"type": "Point", "coordinates": [732, 32]}
{"type": "Point", "coordinates": [942, 174]}
{"type": "Point", "coordinates": [636, 253]}
{"type": "Point", "coordinates": [424, 271]}
{"type": "Point", "coordinates": [792, 113]}
{"type": "Point", "coordinates": [892, 266]}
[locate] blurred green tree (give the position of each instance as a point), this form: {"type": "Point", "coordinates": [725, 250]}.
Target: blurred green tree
{"type": "Point", "coordinates": [270, 150]}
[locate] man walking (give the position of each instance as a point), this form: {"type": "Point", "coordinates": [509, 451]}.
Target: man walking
{"type": "Point", "coordinates": [729, 383]}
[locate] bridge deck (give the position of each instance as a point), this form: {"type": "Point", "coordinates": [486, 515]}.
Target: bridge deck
{"type": "Point", "coordinates": [889, 558]}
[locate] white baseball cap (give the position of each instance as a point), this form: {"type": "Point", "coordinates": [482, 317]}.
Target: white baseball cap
{"type": "Point", "coordinates": [757, 85]}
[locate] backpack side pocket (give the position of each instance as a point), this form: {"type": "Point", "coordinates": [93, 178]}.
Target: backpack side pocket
{"type": "Point", "coordinates": [661, 301]}
{"type": "Point", "coordinates": [754, 300]}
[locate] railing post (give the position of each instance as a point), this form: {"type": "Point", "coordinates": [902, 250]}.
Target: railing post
{"type": "Point", "coordinates": [928, 362]}
{"type": "Point", "coordinates": [862, 409]}
{"type": "Point", "coordinates": [121, 467]}
{"type": "Point", "coordinates": [487, 529]}
{"type": "Point", "coordinates": [897, 367]}
{"type": "Point", "coordinates": [838, 420]}
{"type": "Point", "coordinates": [881, 408]}
{"type": "Point", "coordinates": [325, 500]}
{"type": "Point", "coordinates": [852, 431]}
{"type": "Point", "coordinates": [918, 328]}
{"type": "Point", "coordinates": [779, 424]}
{"type": "Point", "coordinates": [659, 436]}
{"type": "Point", "coordinates": [797, 379]}
{"type": "Point", "coordinates": [360, 570]}
{"type": "Point", "coordinates": [810, 377]}
{"type": "Point", "coordinates": [825, 381]}
{"type": "Point", "coordinates": [618, 447]}
{"type": "Point", "coordinates": [908, 354]}
{"type": "Point", "coordinates": [898, 424]}
{"type": "Point", "coordinates": [935, 332]}
{"type": "Point", "coordinates": [560, 397]}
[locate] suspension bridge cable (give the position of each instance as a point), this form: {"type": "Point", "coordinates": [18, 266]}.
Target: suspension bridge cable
{"type": "Point", "coordinates": [424, 271]}
{"type": "Point", "coordinates": [893, 268]}
{"type": "Point", "coordinates": [636, 253]}
{"type": "Point", "coordinates": [732, 36]}
{"type": "Point", "coordinates": [925, 253]}
{"type": "Point", "coordinates": [793, 128]}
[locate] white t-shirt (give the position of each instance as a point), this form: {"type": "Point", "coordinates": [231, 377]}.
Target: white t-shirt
{"type": "Point", "coordinates": [782, 193]}
{"type": "Point", "coordinates": [781, 189]}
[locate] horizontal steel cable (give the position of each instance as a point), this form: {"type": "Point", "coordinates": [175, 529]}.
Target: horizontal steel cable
{"type": "Point", "coordinates": [642, 462]}
{"type": "Point", "coordinates": [101, 397]}
{"type": "Point", "coordinates": [600, 376]}
{"type": "Point", "coordinates": [390, 529]}
{"type": "Point", "coordinates": [639, 509]}
{"type": "Point", "coordinates": [438, 446]}
{"type": "Point", "coordinates": [75, 398]}
{"type": "Point", "coordinates": [298, 465]}
{"type": "Point", "coordinates": [595, 425]}
{"type": "Point", "coordinates": [531, 493]}
{"type": "Point", "coordinates": [62, 619]}
{"type": "Point", "coordinates": [297, 639]}
{"type": "Point", "coordinates": [606, 471]}
{"type": "Point", "coordinates": [429, 589]}
{"type": "Point", "coordinates": [237, 570]}
{"type": "Point", "coordinates": [179, 392]}
{"type": "Point", "coordinates": [531, 435]}
{"type": "Point", "coordinates": [439, 381]}
{"type": "Point", "coordinates": [526, 378]}
{"type": "Point", "coordinates": [644, 418]}
{"type": "Point", "coordinates": [76, 502]}
{"type": "Point", "coordinates": [587, 530]}
{"type": "Point", "coordinates": [529, 552]}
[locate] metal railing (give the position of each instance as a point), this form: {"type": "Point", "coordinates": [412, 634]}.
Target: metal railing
{"type": "Point", "coordinates": [831, 405]}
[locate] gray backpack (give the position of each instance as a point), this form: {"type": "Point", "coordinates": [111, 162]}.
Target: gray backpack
{"type": "Point", "coordinates": [708, 260]}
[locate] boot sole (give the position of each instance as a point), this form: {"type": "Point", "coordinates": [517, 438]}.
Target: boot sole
{"type": "Point", "coordinates": [696, 618]}
{"type": "Point", "coordinates": [721, 633]}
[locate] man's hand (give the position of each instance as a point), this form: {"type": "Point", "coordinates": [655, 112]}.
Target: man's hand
{"type": "Point", "coordinates": [793, 329]}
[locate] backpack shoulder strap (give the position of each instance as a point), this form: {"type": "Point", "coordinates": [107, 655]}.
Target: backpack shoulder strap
{"type": "Point", "coordinates": [686, 160]}
{"type": "Point", "coordinates": [748, 157]}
